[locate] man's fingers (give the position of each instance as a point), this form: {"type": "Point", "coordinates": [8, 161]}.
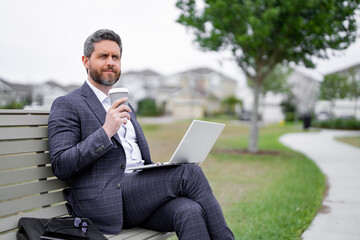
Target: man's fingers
{"type": "Point", "coordinates": [118, 102]}
{"type": "Point", "coordinates": [124, 115]}
{"type": "Point", "coordinates": [123, 108]}
{"type": "Point", "coordinates": [116, 113]}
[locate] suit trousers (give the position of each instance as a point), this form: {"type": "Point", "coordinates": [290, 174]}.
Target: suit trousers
{"type": "Point", "coordinates": [177, 198]}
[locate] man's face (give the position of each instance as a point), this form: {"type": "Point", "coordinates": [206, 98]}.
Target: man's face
{"type": "Point", "coordinates": [104, 66]}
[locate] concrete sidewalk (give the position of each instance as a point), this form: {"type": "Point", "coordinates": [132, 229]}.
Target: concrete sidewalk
{"type": "Point", "coordinates": [339, 218]}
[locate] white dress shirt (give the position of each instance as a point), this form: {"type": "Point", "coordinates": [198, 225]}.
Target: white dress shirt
{"type": "Point", "coordinates": [126, 133]}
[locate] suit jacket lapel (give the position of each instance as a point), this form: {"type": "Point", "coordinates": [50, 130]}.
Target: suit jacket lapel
{"type": "Point", "coordinates": [93, 102]}
{"type": "Point", "coordinates": [95, 105]}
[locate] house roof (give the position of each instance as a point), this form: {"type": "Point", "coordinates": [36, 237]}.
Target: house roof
{"type": "Point", "coordinates": [202, 70]}
{"type": "Point", "coordinates": [65, 88]}
{"type": "Point", "coordinates": [346, 69]}
{"type": "Point", "coordinates": [187, 90]}
{"type": "Point", "coordinates": [4, 87]}
{"type": "Point", "coordinates": [53, 84]}
{"type": "Point", "coordinates": [17, 87]}
{"type": "Point", "coordinates": [71, 88]}
{"type": "Point", "coordinates": [205, 71]}
{"type": "Point", "coordinates": [146, 72]}
{"type": "Point", "coordinates": [310, 73]}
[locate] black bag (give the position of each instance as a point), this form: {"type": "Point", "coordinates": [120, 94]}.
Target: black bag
{"type": "Point", "coordinates": [73, 228]}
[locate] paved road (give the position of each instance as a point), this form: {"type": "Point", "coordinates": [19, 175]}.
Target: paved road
{"type": "Point", "coordinates": [340, 217]}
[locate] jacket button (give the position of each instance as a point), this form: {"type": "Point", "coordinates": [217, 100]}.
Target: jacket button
{"type": "Point", "coordinates": [122, 167]}
{"type": "Point", "coordinates": [118, 186]}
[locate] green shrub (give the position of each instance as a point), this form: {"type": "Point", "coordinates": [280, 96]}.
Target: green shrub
{"type": "Point", "coordinates": [290, 116]}
{"type": "Point", "coordinates": [147, 107]}
{"type": "Point", "coordinates": [338, 123]}
{"type": "Point", "coordinates": [14, 105]}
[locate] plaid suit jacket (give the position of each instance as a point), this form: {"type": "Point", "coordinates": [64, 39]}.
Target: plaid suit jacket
{"type": "Point", "coordinates": [82, 154]}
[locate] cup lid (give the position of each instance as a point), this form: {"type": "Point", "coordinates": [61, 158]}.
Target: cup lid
{"type": "Point", "coordinates": [115, 90]}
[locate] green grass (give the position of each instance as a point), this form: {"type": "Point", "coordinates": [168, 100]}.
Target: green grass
{"type": "Point", "coordinates": [354, 140]}
{"type": "Point", "coordinates": [264, 196]}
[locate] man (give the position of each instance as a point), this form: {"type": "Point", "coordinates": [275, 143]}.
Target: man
{"type": "Point", "coordinates": [93, 142]}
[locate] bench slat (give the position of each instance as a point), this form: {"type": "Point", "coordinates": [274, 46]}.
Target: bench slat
{"type": "Point", "coordinates": [22, 112]}
{"type": "Point", "coordinates": [9, 133]}
{"type": "Point", "coordinates": [23, 146]}
{"type": "Point", "coordinates": [11, 177]}
{"type": "Point", "coordinates": [8, 236]}
{"type": "Point", "coordinates": [16, 191]}
{"type": "Point", "coordinates": [144, 235]}
{"type": "Point", "coordinates": [126, 233]}
{"type": "Point", "coordinates": [32, 202]}
{"type": "Point", "coordinates": [140, 233]}
{"type": "Point", "coordinates": [23, 120]}
{"type": "Point", "coordinates": [162, 236]}
{"type": "Point", "coordinates": [50, 212]}
{"type": "Point", "coordinates": [123, 236]}
{"type": "Point", "coordinates": [24, 160]}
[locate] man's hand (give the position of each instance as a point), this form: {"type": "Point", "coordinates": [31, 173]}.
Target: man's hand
{"type": "Point", "coordinates": [116, 115]}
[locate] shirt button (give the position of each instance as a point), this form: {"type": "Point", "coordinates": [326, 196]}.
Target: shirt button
{"type": "Point", "coordinates": [122, 167]}
{"type": "Point", "coordinates": [118, 186]}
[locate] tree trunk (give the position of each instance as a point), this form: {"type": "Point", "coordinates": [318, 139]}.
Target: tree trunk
{"type": "Point", "coordinates": [254, 129]}
{"type": "Point", "coordinates": [355, 107]}
{"type": "Point", "coordinates": [332, 105]}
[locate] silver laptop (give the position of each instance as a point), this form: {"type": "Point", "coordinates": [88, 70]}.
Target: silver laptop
{"type": "Point", "coordinates": [194, 147]}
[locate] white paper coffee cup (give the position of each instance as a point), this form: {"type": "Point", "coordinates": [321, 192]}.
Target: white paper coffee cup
{"type": "Point", "coordinates": [116, 93]}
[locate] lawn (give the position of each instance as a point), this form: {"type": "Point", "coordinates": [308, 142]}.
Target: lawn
{"type": "Point", "coordinates": [272, 195]}
{"type": "Point", "coordinates": [354, 140]}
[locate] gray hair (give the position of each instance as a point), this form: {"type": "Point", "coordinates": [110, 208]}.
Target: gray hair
{"type": "Point", "coordinates": [99, 35]}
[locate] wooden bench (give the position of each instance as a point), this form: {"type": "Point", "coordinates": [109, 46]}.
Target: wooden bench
{"type": "Point", "coordinates": [28, 187]}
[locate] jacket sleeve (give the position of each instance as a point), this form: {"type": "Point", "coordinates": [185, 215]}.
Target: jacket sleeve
{"type": "Point", "coordinates": [70, 152]}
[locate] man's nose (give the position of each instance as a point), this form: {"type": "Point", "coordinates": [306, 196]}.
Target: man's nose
{"type": "Point", "coordinates": [110, 61]}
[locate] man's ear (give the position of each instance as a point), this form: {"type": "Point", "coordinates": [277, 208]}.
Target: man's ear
{"type": "Point", "coordinates": [85, 61]}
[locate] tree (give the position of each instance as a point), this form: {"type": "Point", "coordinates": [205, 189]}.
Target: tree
{"type": "Point", "coordinates": [230, 103]}
{"type": "Point", "coordinates": [276, 81]}
{"type": "Point", "coordinates": [334, 86]}
{"type": "Point", "coordinates": [263, 33]}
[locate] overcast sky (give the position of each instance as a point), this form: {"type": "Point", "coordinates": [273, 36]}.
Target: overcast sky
{"type": "Point", "coordinates": [43, 40]}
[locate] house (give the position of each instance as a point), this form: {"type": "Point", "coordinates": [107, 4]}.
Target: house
{"type": "Point", "coordinates": [204, 80]}
{"type": "Point", "coordinates": [199, 90]}
{"type": "Point", "coordinates": [186, 103]}
{"type": "Point", "coordinates": [342, 107]}
{"type": "Point", "coordinates": [305, 87]}
{"type": "Point", "coordinates": [13, 93]}
{"type": "Point", "coordinates": [44, 94]}
{"type": "Point", "coordinates": [6, 93]}
{"type": "Point", "coordinates": [141, 85]}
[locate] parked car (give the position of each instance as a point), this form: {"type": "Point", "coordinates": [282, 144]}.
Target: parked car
{"type": "Point", "coordinates": [246, 116]}
{"type": "Point", "coordinates": [323, 116]}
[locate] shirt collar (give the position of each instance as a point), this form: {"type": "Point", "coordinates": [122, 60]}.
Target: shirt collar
{"type": "Point", "coordinates": [99, 94]}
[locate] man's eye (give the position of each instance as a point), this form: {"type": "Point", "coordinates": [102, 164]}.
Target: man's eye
{"type": "Point", "coordinates": [103, 56]}
{"type": "Point", "coordinates": [115, 57]}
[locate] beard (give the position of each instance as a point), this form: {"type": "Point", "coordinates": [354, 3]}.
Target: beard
{"type": "Point", "coordinates": [97, 77]}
